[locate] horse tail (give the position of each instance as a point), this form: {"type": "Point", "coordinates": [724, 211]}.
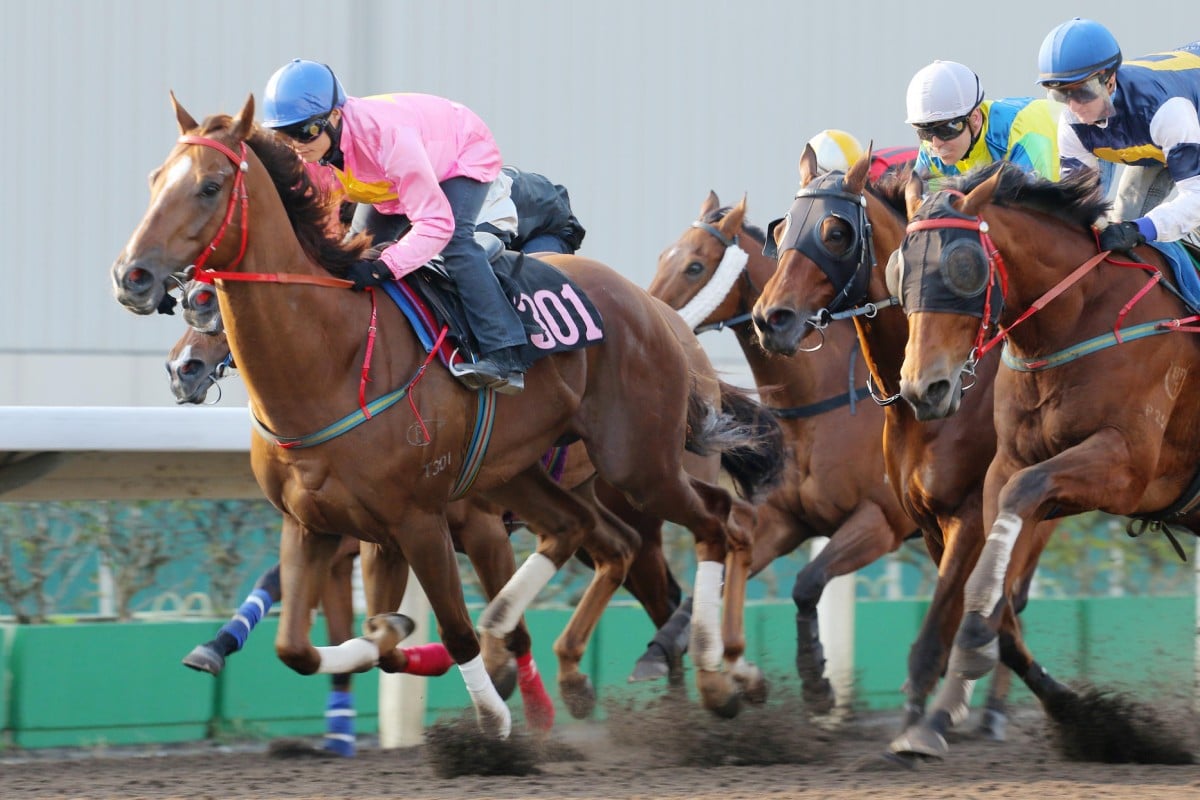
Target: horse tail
{"type": "Point", "coordinates": [746, 434]}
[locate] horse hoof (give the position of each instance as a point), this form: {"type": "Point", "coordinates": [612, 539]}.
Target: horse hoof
{"type": "Point", "coordinates": [718, 693]}
{"type": "Point", "coordinates": [818, 696]}
{"type": "Point", "coordinates": [650, 667]}
{"type": "Point", "coordinates": [495, 724]}
{"type": "Point", "coordinates": [205, 659]}
{"type": "Point", "coordinates": [505, 679]}
{"type": "Point", "coordinates": [578, 694]}
{"type": "Point", "coordinates": [920, 740]}
{"type": "Point", "coordinates": [388, 630]}
{"type": "Point", "coordinates": [752, 683]}
{"type": "Point", "coordinates": [993, 726]}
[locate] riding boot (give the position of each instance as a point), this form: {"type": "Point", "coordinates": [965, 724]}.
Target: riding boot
{"type": "Point", "coordinates": [502, 370]}
{"type": "Point", "coordinates": [664, 653]}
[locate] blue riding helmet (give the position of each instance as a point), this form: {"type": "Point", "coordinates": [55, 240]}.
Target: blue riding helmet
{"type": "Point", "coordinates": [300, 90]}
{"type": "Point", "coordinates": [1076, 49]}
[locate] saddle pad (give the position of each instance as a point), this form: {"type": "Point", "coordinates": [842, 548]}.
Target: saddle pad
{"type": "Point", "coordinates": [557, 315]}
{"type": "Point", "coordinates": [1183, 269]}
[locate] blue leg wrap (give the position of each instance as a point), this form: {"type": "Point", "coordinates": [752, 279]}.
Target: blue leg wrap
{"type": "Point", "coordinates": [253, 609]}
{"type": "Point", "coordinates": [339, 724]}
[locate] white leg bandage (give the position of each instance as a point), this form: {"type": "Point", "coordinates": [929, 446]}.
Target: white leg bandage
{"type": "Point", "coordinates": [986, 583]}
{"type": "Point", "coordinates": [352, 655]}
{"type": "Point", "coordinates": [954, 696]}
{"type": "Point", "coordinates": [707, 647]}
{"type": "Point", "coordinates": [490, 710]}
{"type": "Point", "coordinates": [506, 608]}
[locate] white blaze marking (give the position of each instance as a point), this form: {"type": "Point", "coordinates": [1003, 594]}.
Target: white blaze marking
{"type": "Point", "coordinates": [181, 167]}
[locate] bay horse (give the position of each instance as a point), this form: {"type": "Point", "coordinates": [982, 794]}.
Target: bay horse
{"type": "Point", "coordinates": [828, 269]}
{"type": "Point", "coordinates": [1093, 408]}
{"type": "Point", "coordinates": [834, 482]}
{"type": "Point", "coordinates": [631, 400]}
{"type": "Point", "coordinates": [198, 361]}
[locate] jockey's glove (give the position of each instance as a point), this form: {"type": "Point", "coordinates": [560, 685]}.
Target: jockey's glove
{"type": "Point", "coordinates": [167, 304]}
{"type": "Point", "coordinates": [368, 272]}
{"type": "Point", "coordinates": [1121, 236]}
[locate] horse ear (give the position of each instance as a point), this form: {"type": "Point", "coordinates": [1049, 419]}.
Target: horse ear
{"type": "Point", "coordinates": [244, 121]}
{"type": "Point", "coordinates": [808, 164]}
{"type": "Point", "coordinates": [711, 204]}
{"type": "Point", "coordinates": [856, 177]}
{"type": "Point", "coordinates": [185, 120]}
{"type": "Point", "coordinates": [981, 195]}
{"type": "Point", "coordinates": [732, 222]}
{"type": "Point", "coordinates": [914, 193]}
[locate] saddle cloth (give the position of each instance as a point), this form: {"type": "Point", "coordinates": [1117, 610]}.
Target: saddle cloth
{"type": "Point", "coordinates": [557, 315]}
{"type": "Point", "coordinates": [1183, 268]}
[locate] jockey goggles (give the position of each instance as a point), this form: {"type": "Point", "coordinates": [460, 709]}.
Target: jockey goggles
{"type": "Point", "coordinates": [1085, 91]}
{"type": "Point", "coordinates": [306, 131]}
{"type": "Point", "coordinates": [944, 130]}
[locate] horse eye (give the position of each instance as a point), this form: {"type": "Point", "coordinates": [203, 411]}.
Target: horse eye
{"type": "Point", "coordinates": [210, 189]}
{"type": "Point", "coordinates": [694, 269]}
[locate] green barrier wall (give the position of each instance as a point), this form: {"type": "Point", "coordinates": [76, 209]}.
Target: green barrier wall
{"type": "Point", "coordinates": [90, 684]}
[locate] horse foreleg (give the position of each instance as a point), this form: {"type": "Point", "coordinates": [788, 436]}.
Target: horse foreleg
{"type": "Point", "coordinates": [749, 678]}
{"type": "Point", "coordinates": [210, 656]}
{"type": "Point", "coordinates": [304, 562]}
{"type": "Point", "coordinates": [429, 550]}
{"type": "Point", "coordinates": [863, 538]}
{"type": "Point", "coordinates": [482, 537]}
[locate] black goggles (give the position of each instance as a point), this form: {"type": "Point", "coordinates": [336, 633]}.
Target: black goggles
{"type": "Point", "coordinates": [306, 131]}
{"type": "Point", "coordinates": [1084, 91]}
{"type": "Point", "coordinates": [950, 129]}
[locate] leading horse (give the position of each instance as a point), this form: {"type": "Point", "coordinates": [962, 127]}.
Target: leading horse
{"type": "Point", "coordinates": [1094, 409]}
{"type": "Point", "coordinates": [828, 269]}
{"type": "Point", "coordinates": [305, 353]}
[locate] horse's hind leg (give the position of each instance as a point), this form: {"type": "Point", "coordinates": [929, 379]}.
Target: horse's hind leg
{"type": "Point", "coordinates": [337, 603]}
{"type": "Point", "coordinates": [611, 546]}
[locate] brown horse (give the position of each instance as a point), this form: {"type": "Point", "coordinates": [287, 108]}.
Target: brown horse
{"type": "Point", "coordinates": [197, 362]}
{"type": "Point", "coordinates": [631, 400]}
{"type": "Point", "coordinates": [1092, 411]}
{"type": "Point", "coordinates": [827, 268]}
{"type": "Point", "coordinates": [834, 481]}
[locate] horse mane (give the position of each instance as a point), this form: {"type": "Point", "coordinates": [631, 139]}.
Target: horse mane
{"type": "Point", "coordinates": [308, 208]}
{"type": "Point", "coordinates": [755, 232]}
{"type": "Point", "coordinates": [890, 188]}
{"type": "Point", "coordinates": [1076, 199]}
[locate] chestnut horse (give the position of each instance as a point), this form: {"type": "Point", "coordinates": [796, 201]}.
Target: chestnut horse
{"type": "Point", "coordinates": [834, 481]}
{"type": "Point", "coordinates": [1093, 410]}
{"type": "Point", "coordinates": [827, 268]}
{"type": "Point", "coordinates": [198, 361]}
{"type": "Point", "coordinates": [305, 355]}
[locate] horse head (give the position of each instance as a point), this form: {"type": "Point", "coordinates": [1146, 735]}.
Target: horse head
{"type": "Point", "coordinates": [711, 273]}
{"type": "Point", "coordinates": [201, 309]}
{"type": "Point", "coordinates": [950, 281]}
{"type": "Point", "coordinates": [195, 364]}
{"type": "Point", "coordinates": [826, 253]}
{"type": "Point", "coordinates": [193, 196]}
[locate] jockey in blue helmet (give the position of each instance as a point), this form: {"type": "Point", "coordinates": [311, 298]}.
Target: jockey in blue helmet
{"type": "Point", "coordinates": [1141, 113]}
{"type": "Point", "coordinates": [407, 158]}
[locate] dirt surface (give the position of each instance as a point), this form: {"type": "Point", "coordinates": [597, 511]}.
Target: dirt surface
{"type": "Point", "coordinates": [764, 753]}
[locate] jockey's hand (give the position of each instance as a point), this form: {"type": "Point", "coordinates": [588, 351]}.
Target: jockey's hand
{"type": "Point", "coordinates": [167, 304]}
{"type": "Point", "coordinates": [1121, 236]}
{"type": "Point", "coordinates": [368, 272]}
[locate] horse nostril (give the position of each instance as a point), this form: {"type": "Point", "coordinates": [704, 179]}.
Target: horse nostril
{"type": "Point", "coordinates": [937, 392]}
{"type": "Point", "coordinates": [191, 367]}
{"type": "Point", "coordinates": [137, 280]}
{"type": "Point", "coordinates": [204, 298]}
{"type": "Point", "coordinates": [780, 319]}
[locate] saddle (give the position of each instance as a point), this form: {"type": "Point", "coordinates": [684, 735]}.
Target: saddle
{"type": "Point", "coordinates": [557, 315]}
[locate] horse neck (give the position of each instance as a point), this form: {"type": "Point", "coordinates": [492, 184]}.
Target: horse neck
{"type": "Point", "coordinates": [290, 339]}
{"type": "Point", "coordinates": [884, 336]}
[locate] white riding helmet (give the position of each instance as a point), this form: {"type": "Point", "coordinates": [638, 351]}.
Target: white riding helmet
{"type": "Point", "coordinates": [941, 91]}
{"type": "Point", "coordinates": [836, 150]}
